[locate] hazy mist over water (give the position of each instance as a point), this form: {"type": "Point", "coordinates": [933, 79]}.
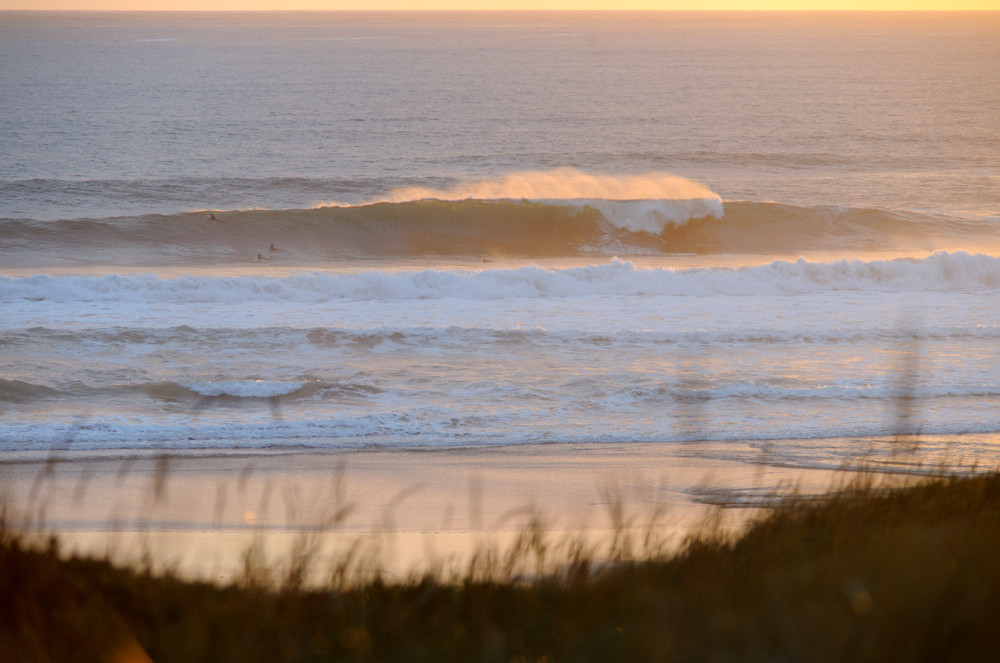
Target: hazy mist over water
{"type": "Point", "coordinates": [494, 228]}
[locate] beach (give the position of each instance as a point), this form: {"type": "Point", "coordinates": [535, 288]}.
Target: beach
{"type": "Point", "coordinates": [462, 267]}
{"type": "Point", "coordinates": [430, 509]}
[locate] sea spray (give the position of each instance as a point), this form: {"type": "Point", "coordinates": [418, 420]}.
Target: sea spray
{"type": "Point", "coordinates": [646, 202]}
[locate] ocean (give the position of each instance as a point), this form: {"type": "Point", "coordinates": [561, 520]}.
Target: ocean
{"type": "Point", "coordinates": [764, 236]}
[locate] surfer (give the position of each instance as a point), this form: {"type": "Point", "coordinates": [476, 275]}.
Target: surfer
{"type": "Point", "coordinates": [273, 247]}
{"type": "Point", "coordinates": [212, 217]}
{"type": "Point", "coordinates": [261, 257]}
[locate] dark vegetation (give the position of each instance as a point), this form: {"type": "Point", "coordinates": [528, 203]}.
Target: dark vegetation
{"type": "Point", "coordinates": [865, 574]}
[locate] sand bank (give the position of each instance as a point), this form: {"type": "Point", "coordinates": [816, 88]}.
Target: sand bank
{"type": "Point", "coordinates": [200, 513]}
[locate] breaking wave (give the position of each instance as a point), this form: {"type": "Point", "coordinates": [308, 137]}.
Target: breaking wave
{"type": "Point", "coordinates": [561, 213]}
{"type": "Point", "coordinates": [941, 272]}
{"type": "Point", "coordinates": [17, 391]}
{"type": "Point", "coordinates": [636, 203]}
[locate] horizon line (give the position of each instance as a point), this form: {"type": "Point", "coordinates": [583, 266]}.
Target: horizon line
{"type": "Point", "coordinates": [508, 11]}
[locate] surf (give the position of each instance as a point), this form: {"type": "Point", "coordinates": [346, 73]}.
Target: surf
{"type": "Point", "coordinates": [559, 213]}
{"type": "Point", "coordinates": [941, 272]}
{"type": "Point", "coordinates": [638, 203]}
{"type": "Point", "coordinates": [480, 229]}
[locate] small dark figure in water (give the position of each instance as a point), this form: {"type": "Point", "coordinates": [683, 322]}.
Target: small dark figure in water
{"type": "Point", "coordinates": [273, 247]}
{"type": "Point", "coordinates": [261, 257]}
{"type": "Point", "coordinates": [212, 217]}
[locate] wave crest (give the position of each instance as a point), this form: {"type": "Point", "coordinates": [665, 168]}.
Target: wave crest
{"type": "Point", "coordinates": [480, 228]}
{"type": "Point", "coordinates": [638, 203]}
{"type": "Point", "coordinates": [19, 391]}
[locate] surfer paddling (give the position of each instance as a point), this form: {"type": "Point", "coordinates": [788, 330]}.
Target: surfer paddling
{"type": "Point", "coordinates": [212, 217]}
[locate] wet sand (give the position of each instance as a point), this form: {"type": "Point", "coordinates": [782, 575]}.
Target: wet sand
{"type": "Point", "coordinates": [415, 509]}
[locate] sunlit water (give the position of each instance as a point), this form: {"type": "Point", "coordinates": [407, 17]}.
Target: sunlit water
{"type": "Point", "coordinates": [131, 320]}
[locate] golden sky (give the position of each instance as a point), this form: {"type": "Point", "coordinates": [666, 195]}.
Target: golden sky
{"type": "Point", "coordinates": [501, 4]}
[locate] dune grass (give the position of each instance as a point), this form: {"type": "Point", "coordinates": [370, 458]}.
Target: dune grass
{"type": "Point", "coordinates": [864, 574]}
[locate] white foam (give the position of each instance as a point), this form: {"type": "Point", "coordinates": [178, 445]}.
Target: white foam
{"type": "Point", "coordinates": [842, 392]}
{"type": "Point", "coordinates": [401, 430]}
{"type": "Point", "coordinates": [652, 216]}
{"type": "Point", "coordinates": [942, 272]}
{"type": "Point", "coordinates": [244, 389]}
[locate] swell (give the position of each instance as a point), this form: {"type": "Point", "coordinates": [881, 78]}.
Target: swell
{"type": "Point", "coordinates": [376, 230]}
{"type": "Point", "coordinates": [255, 389]}
{"type": "Point", "coordinates": [19, 391]}
{"type": "Point", "coordinates": [252, 391]}
{"type": "Point", "coordinates": [216, 339]}
{"type": "Point", "coordinates": [193, 393]}
{"type": "Point", "coordinates": [484, 228]}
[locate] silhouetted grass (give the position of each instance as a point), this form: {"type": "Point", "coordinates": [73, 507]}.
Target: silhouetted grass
{"type": "Point", "coordinates": [866, 574]}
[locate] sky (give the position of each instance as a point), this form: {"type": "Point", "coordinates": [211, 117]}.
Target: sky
{"type": "Point", "coordinates": [500, 4]}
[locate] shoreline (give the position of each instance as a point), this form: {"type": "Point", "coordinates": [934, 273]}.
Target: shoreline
{"type": "Point", "coordinates": [198, 514]}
